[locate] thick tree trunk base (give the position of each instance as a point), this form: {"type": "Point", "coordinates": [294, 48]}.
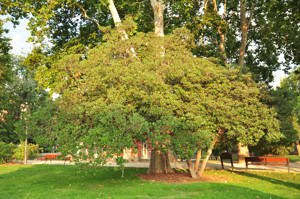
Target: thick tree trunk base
{"type": "Point", "coordinates": [243, 152]}
{"type": "Point", "coordinates": [159, 163]}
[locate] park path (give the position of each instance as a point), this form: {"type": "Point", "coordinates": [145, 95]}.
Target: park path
{"type": "Point", "coordinates": [294, 167]}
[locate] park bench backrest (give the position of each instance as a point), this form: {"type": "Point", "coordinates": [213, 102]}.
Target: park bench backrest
{"type": "Point", "coordinates": [255, 159]}
{"type": "Point", "coordinates": [226, 156]}
{"type": "Point", "coordinates": [277, 159]}
{"type": "Point", "coordinates": [51, 156]}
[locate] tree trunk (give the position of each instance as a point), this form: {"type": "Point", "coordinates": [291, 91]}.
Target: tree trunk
{"type": "Point", "coordinates": [159, 163]}
{"type": "Point", "coordinates": [25, 151]}
{"type": "Point", "coordinates": [209, 151]}
{"type": "Point", "coordinates": [198, 159]}
{"type": "Point", "coordinates": [203, 165]}
{"type": "Point", "coordinates": [192, 169]}
{"type": "Point", "coordinates": [158, 8]}
{"type": "Point", "coordinates": [114, 13]}
{"type": "Point", "coordinates": [222, 34]}
{"type": "Point", "coordinates": [244, 29]}
{"type": "Point", "coordinates": [223, 45]}
{"type": "Point", "coordinates": [298, 147]}
{"type": "Point", "coordinates": [243, 152]}
{"type": "Point", "coordinates": [117, 21]}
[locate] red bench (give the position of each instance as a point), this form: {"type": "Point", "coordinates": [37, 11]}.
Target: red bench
{"type": "Point", "coordinates": [268, 161]}
{"type": "Point", "coordinates": [56, 157]}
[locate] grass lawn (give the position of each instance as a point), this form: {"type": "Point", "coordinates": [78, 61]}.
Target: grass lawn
{"type": "Point", "coordinates": [59, 181]}
{"type": "Point", "coordinates": [293, 158]}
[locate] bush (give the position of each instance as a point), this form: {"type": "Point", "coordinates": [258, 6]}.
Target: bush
{"type": "Point", "coordinates": [32, 151]}
{"type": "Point", "coordinates": [6, 152]}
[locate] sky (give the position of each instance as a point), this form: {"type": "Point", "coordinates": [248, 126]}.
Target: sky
{"type": "Point", "coordinates": [20, 35]}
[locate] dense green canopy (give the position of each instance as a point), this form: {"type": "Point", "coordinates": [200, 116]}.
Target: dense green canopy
{"type": "Point", "coordinates": [109, 98]}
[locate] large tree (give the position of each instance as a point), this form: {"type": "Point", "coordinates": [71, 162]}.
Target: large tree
{"type": "Point", "coordinates": [180, 102]}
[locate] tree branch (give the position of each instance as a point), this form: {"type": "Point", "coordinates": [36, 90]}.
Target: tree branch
{"type": "Point", "coordinates": [86, 16]}
{"type": "Point", "coordinates": [251, 15]}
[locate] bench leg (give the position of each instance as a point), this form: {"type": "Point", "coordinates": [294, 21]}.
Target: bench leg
{"type": "Point", "coordinates": [222, 164]}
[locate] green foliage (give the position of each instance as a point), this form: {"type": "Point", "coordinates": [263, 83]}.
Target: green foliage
{"type": "Point", "coordinates": [17, 95]}
{"type": "Point", "coordinates": [77, 26]}
{"type": "Point", "coordinates": [6, 152]}
{"type": "Point", "coordinates": [284, 100]}
{"type": "Point", "coordinates": [110, 98]}
{"type": "Point", "coordinates": [32, 151]}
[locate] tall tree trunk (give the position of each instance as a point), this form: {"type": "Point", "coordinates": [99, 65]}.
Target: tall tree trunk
{"type": "Point", "coordinates": [158, 8]}
{"type": "Point", "coordinates": [243, 152]}
{"type": "Point", "coordinates": [222, 33]}
{"type": "Point", "coordinates": [298, 147]}
{"type": "Point", "coordinates": [222, 45]}
{"type": "Point", "coordinates": [159, 162]}
{"type": "Point", "coordinates": [244, 29]}
{"type": "Point", "coordinates": [117, 21]}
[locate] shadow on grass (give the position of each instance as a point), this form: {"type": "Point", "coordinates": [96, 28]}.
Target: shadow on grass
{"type": "Point", "coordinates": [55, 181]}
{"type": "Point", "coordinates": [271, 180]}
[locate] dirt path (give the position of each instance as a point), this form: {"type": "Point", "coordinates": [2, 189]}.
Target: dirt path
{"type": "Point", "coordinates": [294, 167]}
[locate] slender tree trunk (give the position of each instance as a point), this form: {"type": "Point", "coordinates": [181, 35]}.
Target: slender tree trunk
{"type": "Point", "coordinates": [159, 162]}
{"type": "Point", "coordinates": [198, 159]}
{"type": "Point", "coordinates": [243, 152]}
{"type": "Point", "coordinates": [209, 152]}
{"type": "Point", "coordinates": [25, 151]}
{"type": "Point", "coordinates": [222, 33]}
{"type": "Point", "coordinates": [117, 21]}
{"type": "Point", "coordinates": [298, 147]}
{"type": "Point", "coordinates": [244, 29]}
{"type": "Point", "coordinates": [204, 162]}
{"type": "Point", "coordinates": [202, 33]}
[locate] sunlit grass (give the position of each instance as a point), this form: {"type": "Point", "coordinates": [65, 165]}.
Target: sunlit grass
{"type": "Point", "coordinates": [58, 181]}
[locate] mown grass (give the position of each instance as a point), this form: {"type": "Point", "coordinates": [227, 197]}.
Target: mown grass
{"type": "Point", "coordinates": [293, 158]}
{"type": "Point", "coordinates": [59, 181]}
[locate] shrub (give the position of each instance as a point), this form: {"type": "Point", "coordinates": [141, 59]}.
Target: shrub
{"type": "Point", "coordinates": [32, 151]}
{"type": "Point", "coordinates": [6, 152]}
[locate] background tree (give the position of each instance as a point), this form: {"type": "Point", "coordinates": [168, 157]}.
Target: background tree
{"type": "Point", "coordinates": [20, 97]}
{"type": "Point", "coordinates": [285, 100]}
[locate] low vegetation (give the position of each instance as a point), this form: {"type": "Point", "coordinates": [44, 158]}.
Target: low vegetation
{"type": "Point", "coordinates": [54, 181]}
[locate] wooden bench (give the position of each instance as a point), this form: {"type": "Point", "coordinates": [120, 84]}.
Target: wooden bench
{"type": "Point", "coordinates": [58, 157]}
{"type": "Point", "coordinates": [268, 161]}
{"type": "Point", "coordinates": [226, 156]}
